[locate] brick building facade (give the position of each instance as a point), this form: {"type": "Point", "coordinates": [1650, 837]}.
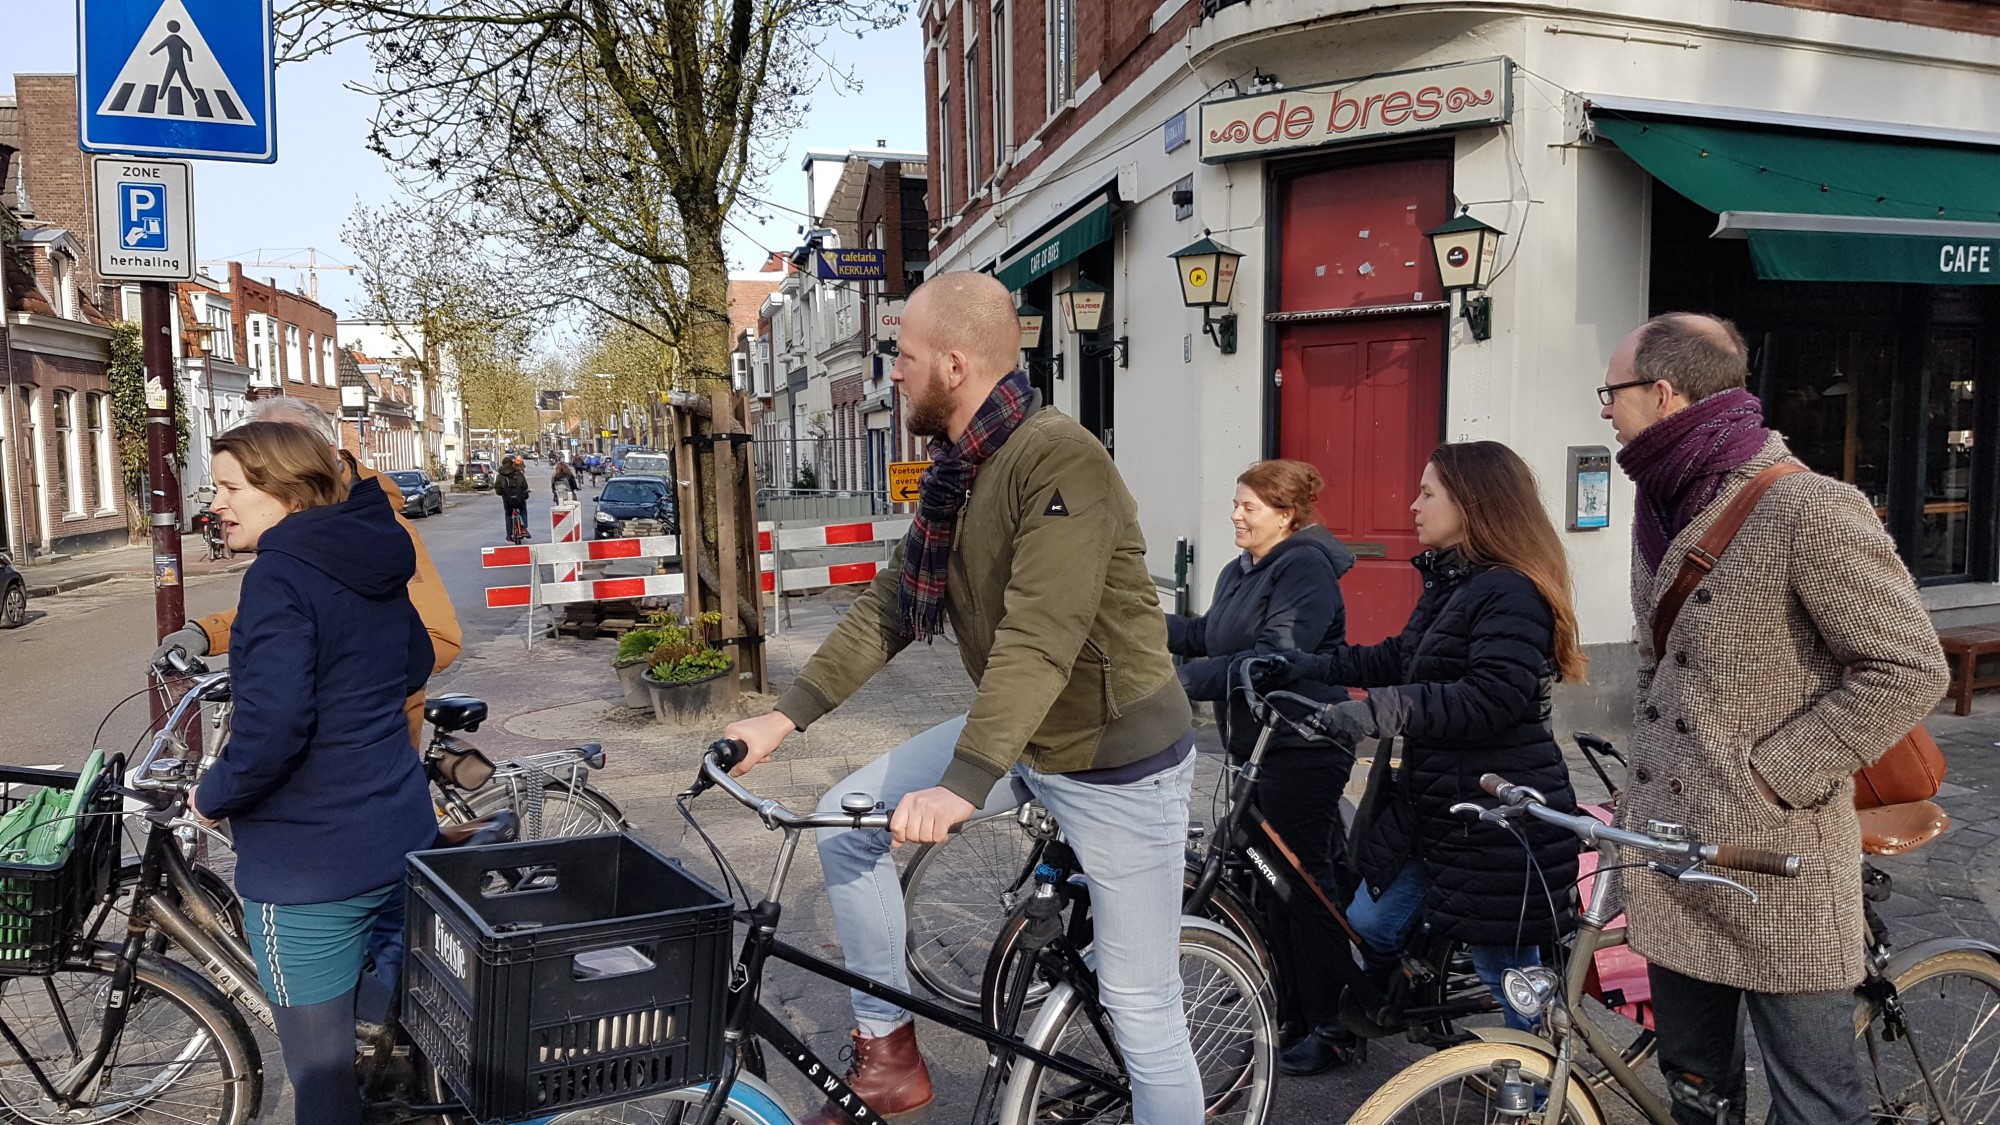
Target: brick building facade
{"type": "Point", "coordinates": [61, 490]}
{"type": "Point", "coordinates": [1086, 142]}
{"type": "Point", "coordinates": [287, 341]}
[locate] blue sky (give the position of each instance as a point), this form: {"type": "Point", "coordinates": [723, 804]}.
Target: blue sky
{"type": "Point", "coordinates": [323, 168]}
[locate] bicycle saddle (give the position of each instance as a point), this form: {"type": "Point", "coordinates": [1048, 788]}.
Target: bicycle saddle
{"type": "Point", "coordinates": [454, 712]}
{"type": "Point", "coordinates": [503, 827]}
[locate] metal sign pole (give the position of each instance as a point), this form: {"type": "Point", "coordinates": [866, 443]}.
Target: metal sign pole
{"type": "Point", "coordinates": [163, 490]}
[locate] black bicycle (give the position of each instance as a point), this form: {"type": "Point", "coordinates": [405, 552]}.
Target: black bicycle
{"type": "Point", "coordinates": [1063, 1067]}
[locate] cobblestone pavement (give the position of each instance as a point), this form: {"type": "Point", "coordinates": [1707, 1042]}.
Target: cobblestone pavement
{"type": "Point", "coordinates": [563, 691]}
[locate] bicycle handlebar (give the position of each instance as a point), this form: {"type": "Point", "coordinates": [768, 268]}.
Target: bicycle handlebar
{"type": "Point", "coordinates": [725, 753]}
{"type": "Point", "coordinates": [1735, 857]}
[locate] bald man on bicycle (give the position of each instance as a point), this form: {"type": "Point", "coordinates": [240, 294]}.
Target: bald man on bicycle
{"type": "Point", "coordinates": [1027, 540]}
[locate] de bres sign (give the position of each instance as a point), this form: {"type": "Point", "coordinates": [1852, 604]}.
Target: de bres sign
{"type": "Point", "coordinates": [176, 78]}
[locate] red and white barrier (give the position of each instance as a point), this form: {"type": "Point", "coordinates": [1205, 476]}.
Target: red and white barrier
{"type": "Point", "coordinates": [832, 535]}
{"type": "Point", "coordinates": [588, 590]}
{"type": "Point", "coordinates": [566, 526]}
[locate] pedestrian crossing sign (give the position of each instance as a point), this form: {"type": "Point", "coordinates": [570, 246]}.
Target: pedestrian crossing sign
{"type": "Point", "coordinates": [177, 78]}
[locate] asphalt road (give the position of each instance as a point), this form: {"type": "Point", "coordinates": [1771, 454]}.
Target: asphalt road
{"type": "Point", "coordinates": [82, 653]}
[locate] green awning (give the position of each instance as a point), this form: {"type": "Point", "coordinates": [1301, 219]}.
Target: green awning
{"type": "Point", "coordinates": [1052, 248]}
{"type": "Point", "coordinates": [1819, 206]}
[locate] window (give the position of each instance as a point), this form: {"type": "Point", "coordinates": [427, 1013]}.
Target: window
{"type": "Point", "coordinates": [221, 337]}
{"type": "Point", "coordinates": [97, 452]}
{"type": "Point", "coordinates": [1062, 54]}
{"type": "Point", "coordinates": [294, 366]}
{"type": "Point", "coordinates": [64, 407]}
{"type": "Point", "coordinates": [944, 131]}
{"type": "Point", "coordinates": [1003, 117]}
{"type": "Point", "coordinates": [974, 141]}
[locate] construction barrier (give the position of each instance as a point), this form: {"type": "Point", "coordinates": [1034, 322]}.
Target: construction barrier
{"type": "Point", "coordinates": [570, 588]}
{"type": "Point", "coordinates": [566, 526]}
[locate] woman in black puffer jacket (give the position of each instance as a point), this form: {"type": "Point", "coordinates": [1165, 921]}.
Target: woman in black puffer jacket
{"type": "Point", "coordinates": [1466, 685]}
{"type": "Point", "coordinates": [1282, 594]}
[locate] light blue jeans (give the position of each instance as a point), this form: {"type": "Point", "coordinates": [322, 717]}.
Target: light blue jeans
{"type": "Point", "coordinates": [1384, 922]}
{"type": "Point", "coordinates": [1130, 839]}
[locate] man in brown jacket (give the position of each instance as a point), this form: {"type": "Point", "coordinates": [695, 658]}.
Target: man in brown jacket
{"type": "Point", "coordinates": [210, 635]}
{"type": "Point", "coordinates": [1026, 539]}
{"type": "Point", "coordinates": [1799, 659]}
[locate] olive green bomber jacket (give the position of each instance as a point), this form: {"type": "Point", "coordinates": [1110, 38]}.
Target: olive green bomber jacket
{"type": "Point", "coordinates": [1056, 616]}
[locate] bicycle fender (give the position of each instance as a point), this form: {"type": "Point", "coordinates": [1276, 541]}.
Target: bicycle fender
{"type": "Point", "coordinates": [1514, 1038]}
{"type": "Point", "coordinates": [1931, 947]}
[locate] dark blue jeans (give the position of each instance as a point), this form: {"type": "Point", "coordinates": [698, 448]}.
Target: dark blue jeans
{"type": "Point", "coordinates": [1384, 922]}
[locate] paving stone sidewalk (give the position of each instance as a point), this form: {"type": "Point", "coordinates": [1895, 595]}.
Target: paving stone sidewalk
{"type": "Point", "coordinates": [563, 691]}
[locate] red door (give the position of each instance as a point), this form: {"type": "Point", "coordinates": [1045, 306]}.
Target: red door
{"type": "Point", "coordinates": [1360, 401]}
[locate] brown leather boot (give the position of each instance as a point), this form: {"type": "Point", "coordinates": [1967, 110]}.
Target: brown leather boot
{"type": "Point", "coordinates": [889, 1074]}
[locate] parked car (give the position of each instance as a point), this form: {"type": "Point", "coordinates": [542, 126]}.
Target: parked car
{"type": "Point", "coordinates": [421, 494]}
{"type": "Point", "coordinates": [635, 496]}
{"type": "Point", "coordinates": [13, 595]}
{"type": "Point", "coordinates": [480, 473]}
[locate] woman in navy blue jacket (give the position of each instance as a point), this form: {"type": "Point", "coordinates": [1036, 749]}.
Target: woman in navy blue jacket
{"type": "Point", "coordinates": [1282, 594]}
{"type": "Point", "coordinates": [320, 783]}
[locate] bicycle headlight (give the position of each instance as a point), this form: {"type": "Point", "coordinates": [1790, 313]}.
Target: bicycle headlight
{"type": "Point", "coordinates": [1529, 990]}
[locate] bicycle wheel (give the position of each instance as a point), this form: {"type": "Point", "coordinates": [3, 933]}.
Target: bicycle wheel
{"type": "Point", "coordinates": [1951, 1011]}
{"type": "Point", "coordinates": [751, 1102]}
{"type": "Point", "coordinates": [1232, 1027]}
{"type": "Point", "coordinates": [184, 1054]}
{"type": "Point", "coordinates": [549, 809]}
{"type": "Point", "coordinates": [1456, 1086]}
{"type": "Point", "coordinates": [957, 896]}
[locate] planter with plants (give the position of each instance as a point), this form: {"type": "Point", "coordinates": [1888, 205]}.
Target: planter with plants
{"type": "Point", "coordinates": [684, 672]}
{"type": "Point", "coordinates": [630, 661]}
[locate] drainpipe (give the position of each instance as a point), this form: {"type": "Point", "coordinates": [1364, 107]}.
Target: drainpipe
{"type": "Point", "coordinates": [17, 544]}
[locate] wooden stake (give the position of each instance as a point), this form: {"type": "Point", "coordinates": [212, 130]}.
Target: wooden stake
{"type": "Point", "coordinates": [723, 457]}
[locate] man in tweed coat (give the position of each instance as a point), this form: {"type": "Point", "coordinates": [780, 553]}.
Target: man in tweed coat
{"type": "Point", "coordinates": [1802, 657]}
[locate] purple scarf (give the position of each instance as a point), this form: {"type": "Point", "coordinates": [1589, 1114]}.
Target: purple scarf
{"type": "Point", "coordinates": [1681, 461]}
{"type": "Point", "coordinates": [941, 497]}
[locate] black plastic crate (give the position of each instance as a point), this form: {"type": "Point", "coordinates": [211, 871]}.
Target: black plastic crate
{"type": "Point", "coordinates": [43, 906]}
{"type": "Point", "coordinates": [553, 975]}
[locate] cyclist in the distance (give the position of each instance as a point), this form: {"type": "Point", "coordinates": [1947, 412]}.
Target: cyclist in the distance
{"type": "Point", "coordinates": [1027, 540]}
{"type": "Point", "coordinates": [512, 485]}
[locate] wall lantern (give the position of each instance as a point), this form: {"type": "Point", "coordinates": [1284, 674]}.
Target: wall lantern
{"type": "Point", "coordinates": [1031, 319]}
{"type": "Point", "coordinates": [1083, 306]}
{"type": "Point", "coordinates": [1466, 250]}
{"type": "Point", "coordinates": [1208, 281]}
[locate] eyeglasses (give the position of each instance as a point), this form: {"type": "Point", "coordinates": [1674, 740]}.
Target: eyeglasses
{"type": "Point", "coordinates": [1609, 390]}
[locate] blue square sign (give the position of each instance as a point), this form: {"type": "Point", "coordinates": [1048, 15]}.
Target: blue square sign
{"type": "Point", "coordinates": [177, 78]}
{"type": "Point", "coordinates": [142, 216]}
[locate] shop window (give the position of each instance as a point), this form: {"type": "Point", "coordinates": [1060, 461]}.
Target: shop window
{"type": "Point", "coordinates": [1828, 393]}
{"type": "Point", "coordinates": [1950, 389]}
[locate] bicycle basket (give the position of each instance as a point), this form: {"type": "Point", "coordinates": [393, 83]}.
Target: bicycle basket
{"type": "Point", "coordinates": [553, 975]}
{"type": "Point", "coordinates": [58, 853]}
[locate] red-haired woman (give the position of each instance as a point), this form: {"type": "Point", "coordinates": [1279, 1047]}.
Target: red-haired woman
{"type": "Point", "coordinates": [1282, 594]}
{"type": "Point", "coordinates": [1466, 686]}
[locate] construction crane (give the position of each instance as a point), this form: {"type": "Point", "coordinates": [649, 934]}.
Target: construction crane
{"type": "Point", "coordinates": [312, 265]}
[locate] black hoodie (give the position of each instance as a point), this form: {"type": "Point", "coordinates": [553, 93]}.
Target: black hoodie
{"type": "Point", "coordinates": [1289, 599]}
{"type": "Point", "coordinates": [320, 783]}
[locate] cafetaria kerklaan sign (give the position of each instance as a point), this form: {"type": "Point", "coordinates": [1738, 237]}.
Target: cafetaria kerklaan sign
{"type": "Point", "coordinates": [1457, 96]}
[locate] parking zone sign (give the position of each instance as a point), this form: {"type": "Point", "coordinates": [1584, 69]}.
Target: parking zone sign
{"type": "Point", "coordinates": [145, 218]}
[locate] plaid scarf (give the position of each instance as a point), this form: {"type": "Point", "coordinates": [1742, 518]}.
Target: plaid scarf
{"type": "Point", "coordinates": [941, 497]}
{"type": "Point", "coordinates": [1681, 461]}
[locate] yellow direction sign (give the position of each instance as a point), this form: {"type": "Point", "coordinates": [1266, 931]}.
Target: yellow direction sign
{"type": "Point", "coordinates": [903, 478]}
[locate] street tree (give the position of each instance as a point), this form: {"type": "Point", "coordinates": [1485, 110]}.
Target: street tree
{"type": "Point", "coordinates": [602, 144]}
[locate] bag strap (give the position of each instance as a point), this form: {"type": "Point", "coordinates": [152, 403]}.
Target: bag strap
{"type": "Point", "coordinates": [1702, 557]}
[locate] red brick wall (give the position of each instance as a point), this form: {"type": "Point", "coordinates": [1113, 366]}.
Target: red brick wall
{"type": "Point", "coordinates": [315, 323]}
{"type": "Point", "coordinates": [1114, 42]}
{"type": "Point", "coordinates": [57, 173]}
{"type": "Point", "coordinates": [50, 375]}
{"type": "Point", "coordinates": [1977, 16]}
